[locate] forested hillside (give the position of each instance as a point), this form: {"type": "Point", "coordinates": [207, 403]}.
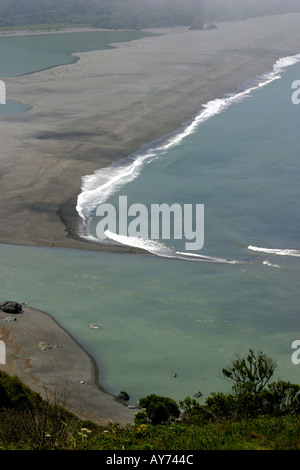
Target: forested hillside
{"type": "Point", "coordinates": [135, 14]}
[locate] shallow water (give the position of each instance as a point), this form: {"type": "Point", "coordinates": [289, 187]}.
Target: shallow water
{"type": "Point", "coordinates": [21, 55]}
{"type": "Point", "coordinates": [12, 107]}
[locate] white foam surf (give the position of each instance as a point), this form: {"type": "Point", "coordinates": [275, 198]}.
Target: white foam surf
{"type": "Point", "coordinates": [99, 186]}
{"type": "Point", "coordinates": [267, 263]}
{"type": "Point", "coordinates": [275, 251]}
{"type": "Point", "coordinates": [209, 259]}
{"type": "Point", "coordinates": [160, 249]}
{"type": "Point", "coordinates": [151, 246]}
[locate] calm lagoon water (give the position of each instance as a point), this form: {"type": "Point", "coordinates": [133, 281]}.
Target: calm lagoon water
{"type": "Point", "coordinates": [22, 55]}
{"type": "Point", "coordinates": [162, 315]}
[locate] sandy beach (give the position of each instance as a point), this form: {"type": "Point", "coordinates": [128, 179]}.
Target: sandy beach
{"type": "Point", "coordinates": [63, 373]}
{"type": "Point", "coordinates": [85, 116]}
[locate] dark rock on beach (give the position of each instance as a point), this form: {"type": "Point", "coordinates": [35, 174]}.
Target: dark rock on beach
{"type": "Point", "coordinates": [123, 395]}
{"type": "Point", "coordinates": [9, 306]}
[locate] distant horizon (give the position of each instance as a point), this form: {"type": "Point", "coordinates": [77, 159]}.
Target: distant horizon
{"type": "Point", "coordinates": [136, 14]}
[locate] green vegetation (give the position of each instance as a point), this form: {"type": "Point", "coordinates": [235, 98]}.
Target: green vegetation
{"type": "Point", "coordinates": [256, 415]}
{"type": "Point", "coordinates": [157, 410]}
{"type": "Point", "coordinates": [14, 395]}
{"type": "Point", "coordinates": [134, 14]}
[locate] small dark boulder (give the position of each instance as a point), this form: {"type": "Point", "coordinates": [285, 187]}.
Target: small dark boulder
{"type": "Point", "coordinates": [9, 306]}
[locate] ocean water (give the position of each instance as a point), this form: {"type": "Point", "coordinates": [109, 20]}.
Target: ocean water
{"type": "Point", "coordinates": [179, 311]}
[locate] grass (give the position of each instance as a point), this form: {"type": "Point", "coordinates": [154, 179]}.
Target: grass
{"type": "Point", "coordinates": [268, 420]}
{"type": "Point", "coordinates": [22, 431]}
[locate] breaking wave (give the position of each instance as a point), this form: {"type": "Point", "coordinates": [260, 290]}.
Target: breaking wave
{"type": "Point", "coordinates": [275, 251]}
{"type": "Point", "coordinates": [99, 186]}
{"type": "Point", "coordinates": [267, 263]}
{"type": "Point", "coordinates": [159, 249]}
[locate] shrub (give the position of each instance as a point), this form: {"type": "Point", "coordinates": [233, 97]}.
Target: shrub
{"type": "Point", "coordinates": [250, 374]}
{"type": "Point", "coordinates": [282, 398]}
{"type": "Point", "coordinates": [194, 413]}
{"type": "Point", "coordinates": [252, 395]}
{"type": "Point", "coordinates": [222, 405]}
{"type": "Point", "coordinates": [157, 410]}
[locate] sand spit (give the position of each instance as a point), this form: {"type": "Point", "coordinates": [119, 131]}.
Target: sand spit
{"type": "Point", "coordinates": [108, 105]}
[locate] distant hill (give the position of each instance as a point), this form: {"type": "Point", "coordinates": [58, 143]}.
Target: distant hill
{"type": "Point", "coordinates": [135, 14]}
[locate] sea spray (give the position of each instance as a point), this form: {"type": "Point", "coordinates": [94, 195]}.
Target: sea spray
{"type": "Point", "coordinates": [98, 187]}
{"type": "Point", "coordinates": [275, 251]}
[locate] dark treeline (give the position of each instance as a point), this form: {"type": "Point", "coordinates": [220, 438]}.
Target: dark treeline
{"type": "Point", "coordinates": [136, 14]}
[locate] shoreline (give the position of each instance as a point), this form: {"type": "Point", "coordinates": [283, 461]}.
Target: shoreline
{"type": "Point", "coordinates": [136, 92]}
{"type": "Point", "coordinates": [65, 373]}
{"type": "Point", "coordinates": [70, 29]}
{"type": "Point", "coordinates": [146, 93]}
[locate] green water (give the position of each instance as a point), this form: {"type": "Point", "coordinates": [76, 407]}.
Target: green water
{"type": "Point", "coordinates": [21, 55]}
{"type": "Point", "coordinates": [159, 316]}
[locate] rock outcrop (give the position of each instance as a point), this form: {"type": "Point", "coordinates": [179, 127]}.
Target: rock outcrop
{"type": "Point", "coordinates": [123, 395]}
{"type": "Point", "coordinates": [9, 306]}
